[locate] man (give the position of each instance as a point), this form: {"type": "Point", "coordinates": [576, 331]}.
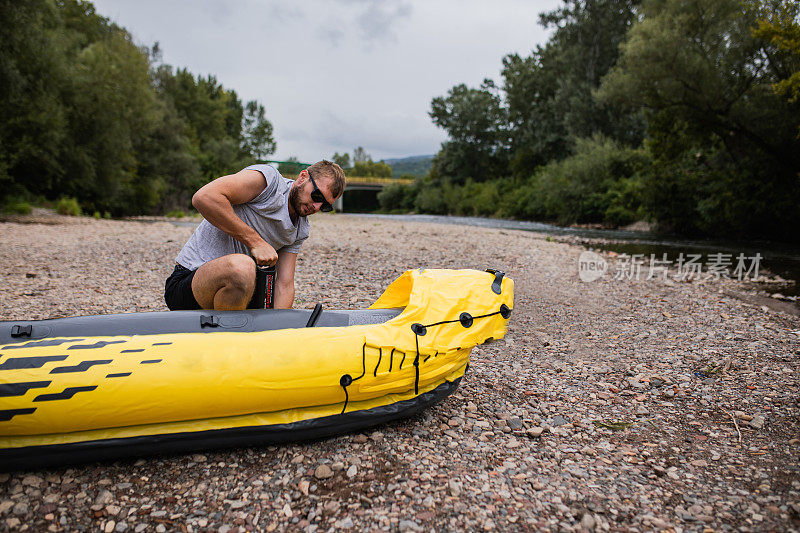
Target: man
{"type": "Point", "coordinates": [255, 216]}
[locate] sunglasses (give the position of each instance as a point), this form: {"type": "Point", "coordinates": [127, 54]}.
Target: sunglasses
{"type": "Point", "coordinates": [317, 195]}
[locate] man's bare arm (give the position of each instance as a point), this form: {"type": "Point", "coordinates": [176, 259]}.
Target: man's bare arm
{"type": "Point", "coordinates": [215, 202]}
{"type": "Point", "coordinates": [284, 282]}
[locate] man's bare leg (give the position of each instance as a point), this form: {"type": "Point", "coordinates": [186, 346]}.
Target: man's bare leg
{"type": "Point", "coordinates": [225, 283]}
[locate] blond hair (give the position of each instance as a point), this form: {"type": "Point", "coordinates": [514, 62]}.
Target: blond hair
{"type": "Point", "coordinates": [333, 172]}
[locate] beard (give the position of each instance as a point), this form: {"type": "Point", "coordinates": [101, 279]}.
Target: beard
{"type": "Point", "coordinates": [294, 201]}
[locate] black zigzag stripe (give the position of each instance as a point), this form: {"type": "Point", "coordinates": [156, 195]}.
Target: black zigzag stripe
{"type": "Point", "coordinates": [33, 344]}
{"type": "Point", "coordinates": [8, 414]}
{"type": "Point", "coordinates": [21, 363]}
{"type": "Point", "coordinates": [98, 344]}
{"type": "Point", "coordinates": [19, 389]}
{"type": "Point", "coordinates": [83, 366]}
{"type": "Point", "coordinates": [68, 393]}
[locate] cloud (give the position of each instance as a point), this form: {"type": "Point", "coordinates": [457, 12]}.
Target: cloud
{"type": "Point", "coordinates": [377, 21]}
{"type": "Point", "coordinates": [281, 12]}
{"type": "Point", "coordinates": [382, 135]}
{"type": "Point", "coordinates": [338, 74]}
{"type": "Point", "coordinates": [332, 33]}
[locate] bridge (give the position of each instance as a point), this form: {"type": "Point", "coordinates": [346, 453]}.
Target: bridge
{"type": "Point", "coordinates": [354, 183]}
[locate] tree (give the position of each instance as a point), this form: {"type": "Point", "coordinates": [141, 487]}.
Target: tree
{"type": "Point", "coordinates": [725, 147]}
{"type": "Point", "coordinates": [360, 155]}
{"type": "Point", "coordinates": [113, 108]}
{"type": "Point", "coordinates": [537, 133]}
{"type": "Point", "coordinates": [780, 27]}
{"type": "Point", "coordinates": [343, 160]}
{"type": "Point", "coordinates": [363, 165]}
{"type": "Point", "coordinates": [84, 112]}
{"type": "Point", "coordinates": [257, 139]}
{"type": "Point", "coordinates": [550, 93]}
{"type": "Point", "coordinates": [370, 168]}
{"type": "Point", "coordinates": [32, 114]}
{"type": "Point", "coordinates": [290, 167]}
{"type": "Point", "coordinates": [214, 117]}
{"type": "Point", "coordinates": [475, 122]}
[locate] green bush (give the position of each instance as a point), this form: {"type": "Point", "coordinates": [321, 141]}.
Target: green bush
{"type": "Point", "coordinates": [17, 206]}
{"type": "Point", "coordinates": [68, 206]}
{"type": "Point", "coordinates": [176, 213]}
{"type": "Point", "coordinates": [601, 182]}
{"type": "Point", "coordinates": [430, 199]}
{"type": "Point", "coordinates": [394, 197]}
{"type": "Point", "coordinates": [480, 199]}
{"type": "Point", "coordinates": [97, 215]}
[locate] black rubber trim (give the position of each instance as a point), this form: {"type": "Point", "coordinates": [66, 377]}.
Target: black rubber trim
{"type": "Point", "coordinates": [57, 331]}
{"type": "Point", "coordinates": [37, 457]}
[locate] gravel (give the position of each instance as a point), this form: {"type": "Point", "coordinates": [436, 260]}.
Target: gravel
{"type": "Point", "coordinates": [610, 405]}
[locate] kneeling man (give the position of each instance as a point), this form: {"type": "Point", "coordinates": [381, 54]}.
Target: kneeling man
{"type": "Point", "coordinates": [255, 216]}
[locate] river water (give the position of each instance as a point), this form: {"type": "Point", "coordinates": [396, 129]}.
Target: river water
{"type": "Point", "coordinates": [777, 258]}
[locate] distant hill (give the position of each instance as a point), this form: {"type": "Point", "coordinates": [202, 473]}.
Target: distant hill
{"type": "Point", "coordinates": [417, 165]}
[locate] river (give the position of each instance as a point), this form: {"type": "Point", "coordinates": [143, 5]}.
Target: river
{"type": "Point", "coordinates": [777, 258]}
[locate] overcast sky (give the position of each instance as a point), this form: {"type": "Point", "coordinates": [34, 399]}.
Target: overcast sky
{"type": "Point", "coordinates": [338, 74]}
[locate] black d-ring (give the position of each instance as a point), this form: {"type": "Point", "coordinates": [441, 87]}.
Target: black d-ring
{"type": "Point", "coordinates": [419, 329]}
{"type": "Point", "coordinates": [346, 380]}
{"type": "Point", "coordinates": [465, 319]}
{"type": "Point", "coordinates": [505, 311]}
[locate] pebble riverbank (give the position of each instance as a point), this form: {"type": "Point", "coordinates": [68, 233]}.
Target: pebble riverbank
{"type": "Point", "coordinates": [615, 405]}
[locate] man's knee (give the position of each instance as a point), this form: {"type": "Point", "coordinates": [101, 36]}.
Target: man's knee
{"type": "Point", "coordinates": [240, 271]}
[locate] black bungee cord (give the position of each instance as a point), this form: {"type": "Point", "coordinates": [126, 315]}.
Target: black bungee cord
{"type": "Point", "coordinates": [419, 330]}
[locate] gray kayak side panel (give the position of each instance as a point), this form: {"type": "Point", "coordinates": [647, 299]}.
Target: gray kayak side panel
{"type": "Point", "coordinates": [22, 332]}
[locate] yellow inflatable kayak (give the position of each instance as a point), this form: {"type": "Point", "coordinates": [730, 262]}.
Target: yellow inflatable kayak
{"type": "Point", "coordinates": [99, 387]}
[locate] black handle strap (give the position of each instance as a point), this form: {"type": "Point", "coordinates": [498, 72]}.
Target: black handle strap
{"type": "Point", "coordinates": [497, 284]}
{"type": "Point", "coordinates": [312, 320]}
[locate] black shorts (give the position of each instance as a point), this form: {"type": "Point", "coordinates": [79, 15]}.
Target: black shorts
{"type": "Point", "coordinates": [178, 290]}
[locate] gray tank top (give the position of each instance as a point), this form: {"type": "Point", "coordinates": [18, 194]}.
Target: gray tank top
{"type": "Point", "coordinates": [267, 213]}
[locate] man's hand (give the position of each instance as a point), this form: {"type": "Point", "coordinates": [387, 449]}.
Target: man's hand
{"type": "Point", "coordinates": [264, 254]}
